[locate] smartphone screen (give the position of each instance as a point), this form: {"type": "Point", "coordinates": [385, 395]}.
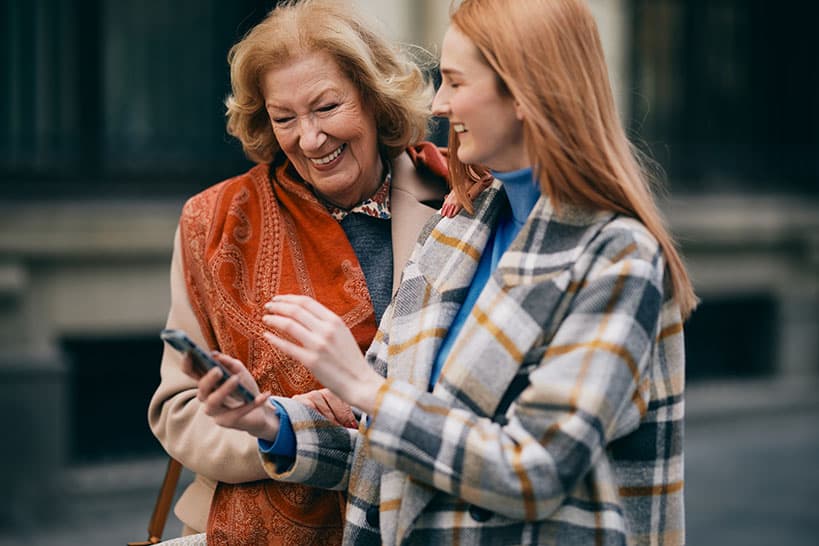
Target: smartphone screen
{"type": "Point", "coordinates": [201, 359]}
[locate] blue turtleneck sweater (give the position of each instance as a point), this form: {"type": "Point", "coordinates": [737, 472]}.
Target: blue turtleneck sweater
{"type": "Point", "coordinates": [523, 192]}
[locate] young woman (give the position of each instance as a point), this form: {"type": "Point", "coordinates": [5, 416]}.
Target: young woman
{"type": "Point", "coordinates": [526, 383]}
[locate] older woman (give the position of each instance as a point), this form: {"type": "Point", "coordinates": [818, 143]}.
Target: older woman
{"type": "Point", "coordinates": [333, 114]}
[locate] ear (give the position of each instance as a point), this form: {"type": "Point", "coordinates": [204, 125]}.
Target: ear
{"type": "Point", "coordinates": [518, 111]}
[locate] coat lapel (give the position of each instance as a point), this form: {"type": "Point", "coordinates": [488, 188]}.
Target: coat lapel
{"type": "Point", "coordinates": [435, 285]}
{"type": "Point", "coordinates": [451, 253]}
{"type": "Point", "coordinates": [437, 280]}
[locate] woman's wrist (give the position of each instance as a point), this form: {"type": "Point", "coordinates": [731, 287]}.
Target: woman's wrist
{"type": "Point", "coordinates": [365, 393]}
{"type": "Point", "coordinates": [272, 423]}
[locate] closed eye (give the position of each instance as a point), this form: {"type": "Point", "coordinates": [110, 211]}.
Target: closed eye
{"type": "Point", "coordinates": [450, 78]}
{"type": "Point", "coordinates": [328, 108]}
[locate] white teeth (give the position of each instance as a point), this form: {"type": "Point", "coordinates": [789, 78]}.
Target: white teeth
{"type": "Point", "coordinates": [459, 127]}
{"type": "Point", "coordinates": [328, 158]}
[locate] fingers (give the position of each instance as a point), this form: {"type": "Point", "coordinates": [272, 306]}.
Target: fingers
{"type": "Point", "coordinates": [342, 412]}
{"type": "Point", "coordinates": [187, 367]}
{"type": "Point", "coordinates": [303, 309]}
{"type": "Point", "coordinates": [208, 384]}
{"type": "Point", "coordinates": [304, 320]}
{"type": "Point", "coordinates": [321, 406]}
{"type": "Point", "coordinates": [248, 417]}
{"type": "Point", "coordinates": [291, 327]}
{"type": "Point", "coordinates": [296, 352]}
{"type": "Point", "coordinates": [311, 304]}
{"type": "Point", "coordinates": [306, 399]}
{"type": "Point", "coordinates": [213, 392]}
{"type": "Point", "coordinates": [221, 402]}
{"type": "Point", "coordinates": [451, 206]}
{"type": "Point", "coordinates": [330, 406]}
{"type": "Point", "coordinates": [231, 415]}
{"type": "Point", "coordinates": [233, 365]}
{"type": "Point", "coordinates": [217, 395]}
{"type": "Point", "coordinates": [319, 339]}
{"type": "Point", "coordinates": [300, 317]}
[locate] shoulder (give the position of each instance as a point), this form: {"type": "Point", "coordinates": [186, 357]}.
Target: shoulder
{"type": "Point", "coordinates": [422, 173]}
{"type": "Point", "coordinates": [626, 237]}
{"type": "Point", "coordinates": [624, 246]}
{"type": "Point", "coordinates": [208, 203]}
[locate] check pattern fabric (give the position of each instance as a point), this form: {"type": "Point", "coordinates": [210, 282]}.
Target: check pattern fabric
{"type": "Point", "coordinates": [558, 415]}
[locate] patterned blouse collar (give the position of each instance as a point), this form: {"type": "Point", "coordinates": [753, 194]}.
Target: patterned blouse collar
{"type": "Point", "coordinates": [377, 205]}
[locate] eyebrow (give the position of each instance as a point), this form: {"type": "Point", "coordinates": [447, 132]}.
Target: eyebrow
{"type": "Point", "coordinates": [319, 98]}
{"type": "Point", "coordinates": [448, 70]}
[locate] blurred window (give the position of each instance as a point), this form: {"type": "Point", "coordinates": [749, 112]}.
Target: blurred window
{"type": "Point", "coordinates": [732, 337]}
{"type": "Point", "coordinates": [727, 96]}
{"type": "Point", "coordinates": [110, 383]}
{"type": "Point", "coordinates": [117, 98]}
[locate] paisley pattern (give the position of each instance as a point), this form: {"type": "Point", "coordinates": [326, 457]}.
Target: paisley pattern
{"type": "Point", "coordinates": [244, 241]}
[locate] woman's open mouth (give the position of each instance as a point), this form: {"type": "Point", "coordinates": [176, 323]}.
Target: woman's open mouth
{"type": "Point", "coordinates": [330, 160]}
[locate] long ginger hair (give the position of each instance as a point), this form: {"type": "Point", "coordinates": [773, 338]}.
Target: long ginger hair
{"type": "Point", "coordinates": [548, 55]}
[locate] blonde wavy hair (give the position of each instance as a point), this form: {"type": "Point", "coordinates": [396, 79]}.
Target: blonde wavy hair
{"type": "Point", "coordinates": [548, 55]}
{"type": "Point", "coordinates": [389, 80]}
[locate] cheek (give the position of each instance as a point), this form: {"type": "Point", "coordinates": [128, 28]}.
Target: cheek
{"type": "Point", "coordinates": [288, 143]}
{"type": "Point", "coordinates": [461, 103]}
{"type": "Point", "coordinates": [364, 137]}
{"type": "Point", "coordinates": [357, 129]}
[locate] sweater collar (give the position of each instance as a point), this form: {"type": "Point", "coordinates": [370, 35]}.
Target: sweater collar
{"type": "Point", "coordinates": [522, 190]}
{"type": "Point", "coordinates": [377, 205]}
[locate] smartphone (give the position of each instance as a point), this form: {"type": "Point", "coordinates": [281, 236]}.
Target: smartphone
{"type": "Point", "coordinates": [202, 361]}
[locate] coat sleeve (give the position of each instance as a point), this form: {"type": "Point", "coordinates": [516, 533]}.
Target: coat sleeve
{"type": "Point", "coordinates": [324, 450]}
{"type": "Point", "coordinates": [587, 389]}
{"type": "Point", "coordinates": [177, 418]}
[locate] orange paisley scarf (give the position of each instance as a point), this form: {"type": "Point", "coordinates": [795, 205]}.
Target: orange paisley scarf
{"type": "Point", "coordinates": [245, 240]}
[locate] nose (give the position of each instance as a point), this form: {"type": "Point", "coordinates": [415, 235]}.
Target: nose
{"type": "Point", "coordinates": [440, 104]}
{"type": "Point", "coordinates": [311, 137]}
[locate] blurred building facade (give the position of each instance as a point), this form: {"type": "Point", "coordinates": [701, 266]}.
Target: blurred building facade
{"type": "Point", "coordinates": [111, 115]}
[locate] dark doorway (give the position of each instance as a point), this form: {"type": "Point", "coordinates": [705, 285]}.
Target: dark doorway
{"type": "Point", "coordinates": [731, 337]}
{"type": "Point", "coordinates": [110, 382]}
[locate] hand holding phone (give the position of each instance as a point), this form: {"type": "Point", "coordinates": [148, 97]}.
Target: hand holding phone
{"type": "Point", "coordinates": [202, 361]}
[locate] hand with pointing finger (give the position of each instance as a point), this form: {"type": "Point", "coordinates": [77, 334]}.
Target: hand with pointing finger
{"type": "Point", "coordinates": [258, 418]}
{"type": "Point", "coordinates": [325, 346]}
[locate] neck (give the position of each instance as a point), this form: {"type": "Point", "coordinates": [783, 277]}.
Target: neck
{"type": "Point", "coordinates": [522, 190]}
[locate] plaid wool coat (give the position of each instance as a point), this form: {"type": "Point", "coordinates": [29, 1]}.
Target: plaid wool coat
{"type": "Point", "coordinates": [558, 415]}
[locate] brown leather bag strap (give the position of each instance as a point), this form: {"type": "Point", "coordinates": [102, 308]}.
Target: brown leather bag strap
{"type": "Point", "coordinates": [163, 504]}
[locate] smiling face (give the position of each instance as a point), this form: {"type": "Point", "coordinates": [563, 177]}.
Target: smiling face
{"type": "Point", "coordinates": [487, 121]}
{"type": "Point", "coordinates": [324, 129]}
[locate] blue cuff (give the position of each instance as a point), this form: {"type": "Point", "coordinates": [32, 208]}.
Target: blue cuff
{"type": "Point", "coordinates": [285, 443]}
